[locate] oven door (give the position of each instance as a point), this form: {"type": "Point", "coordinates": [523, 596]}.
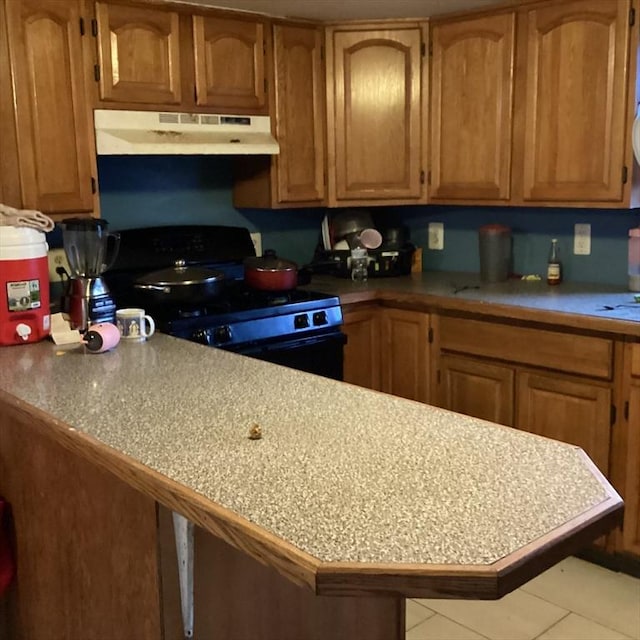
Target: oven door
{"type": "Point", "coordinates": [320, 354]}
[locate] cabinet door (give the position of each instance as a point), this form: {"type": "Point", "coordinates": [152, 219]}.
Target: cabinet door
{"type": "Point", "coordinates": [362, 351]}
{"type": "Point", "coordinates": [566, 410]}
{"type": "Point", "coordinates": [471, 106]}
{"type": "Point", "coordinates": [299, 114]}
{"type": "Point", "coordinates": [631, 529]}
{"type": "Point", "coordinates": [139, 54]}
{"type": "Point", "coordinates": [575, 100]}
{"type": "Point", "coordinates": [405, 353]}
{"type": "Point", "coordinates": [229, 63]}
{"type": "Point", "coordinates": [477, 388]}
{"type": "Point", "coordinates": [55, 153]}
{"type": "Point", "coordinates": [628, 456]}
{"type": "Point", "coordinates": [375, 122]}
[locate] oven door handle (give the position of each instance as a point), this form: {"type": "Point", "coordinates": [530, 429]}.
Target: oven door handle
{"type": "Point", "coordinates": [286, 345]}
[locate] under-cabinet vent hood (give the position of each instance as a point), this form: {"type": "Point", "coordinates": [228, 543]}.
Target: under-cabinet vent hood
{"type": "Point", "coordinates": [152, 133]}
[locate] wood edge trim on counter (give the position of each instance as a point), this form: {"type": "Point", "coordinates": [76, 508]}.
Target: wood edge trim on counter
{"type": "Point", "coordinates": [526, 563]}
{"type": "Point", "coordinates": [256, 542]}
{"type": "Point", "coordinates": [479, 582]}
{"type": "Point", "coordinates": [410, 580]}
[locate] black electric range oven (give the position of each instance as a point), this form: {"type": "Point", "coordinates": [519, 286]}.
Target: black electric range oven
{"type": "Point", "coordinates": [297, 328]}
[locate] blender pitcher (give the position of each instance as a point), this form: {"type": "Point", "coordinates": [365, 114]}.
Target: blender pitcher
{"type": "Point", "coordinates": [90, 251]}
{"type": "Point", "coordinates": [85, 242]}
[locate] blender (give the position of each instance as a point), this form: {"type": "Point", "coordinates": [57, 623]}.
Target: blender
{"type": "Point", "coordinates": [90, 251]}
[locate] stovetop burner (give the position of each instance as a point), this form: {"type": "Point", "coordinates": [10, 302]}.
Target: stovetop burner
{"type": "Point", "coordinates": [235, 298]}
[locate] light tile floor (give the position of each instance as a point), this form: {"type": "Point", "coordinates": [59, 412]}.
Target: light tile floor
{"type": "Point", "coordinates": [574, 600]}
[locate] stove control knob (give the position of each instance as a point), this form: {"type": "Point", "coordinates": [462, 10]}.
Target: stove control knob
{"type": "Point", "coordinates": [222, 334]}
{"type": "Point", "coordinates": [301, 321]}
{"type": "Point", "coordinates": [201, 336]}
{"type": "Point", "coordinates": [319, 318]}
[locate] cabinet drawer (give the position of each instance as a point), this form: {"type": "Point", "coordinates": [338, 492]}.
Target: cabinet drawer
{"type": "Point", "coordinates": [573, 353]}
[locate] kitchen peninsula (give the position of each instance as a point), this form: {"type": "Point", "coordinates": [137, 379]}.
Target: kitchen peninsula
{"type": "Point", "coordinates": [349, 492]}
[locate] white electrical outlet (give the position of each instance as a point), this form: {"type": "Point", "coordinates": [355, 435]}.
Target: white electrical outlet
{"type": "Point", "coordinates": [582, 240]}
{"type": "Point", "coordinates": [57, 258]}
{"type": "Point", "coordinates": [436, 236]}
{"type": "Point", "coordinates": [256, 238]}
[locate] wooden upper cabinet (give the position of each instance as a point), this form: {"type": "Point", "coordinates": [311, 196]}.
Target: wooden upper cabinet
{"type": "Point", "coordinates": [296, 176]}
{"type": "Point", "coordinates": [471, 108]}
{"type": "Point", "coordinates": [139, 52]}
{"type": "Point", "coordinates": [54, 149]}
{"type": "Point", "coordinates": [374, 115]}
{"type": "Point", "coordinates": [229, 63]}
{"type": "Point", "coordinates": [299, 113]}
{"type": "Point", "coordinates": [575, 100]}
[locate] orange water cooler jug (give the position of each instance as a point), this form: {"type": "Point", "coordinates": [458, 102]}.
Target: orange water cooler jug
{"type": "Point", "coordinates": [24, 286]}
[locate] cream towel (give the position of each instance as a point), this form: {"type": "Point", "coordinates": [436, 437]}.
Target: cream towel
{"type": "Point", "coordinates": [25, 218]}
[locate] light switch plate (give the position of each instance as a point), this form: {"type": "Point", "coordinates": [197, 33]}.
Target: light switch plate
{"type": "Point", "coordinates": [582, 240]}
{"type": "Point", "coordinates": [436, 236]}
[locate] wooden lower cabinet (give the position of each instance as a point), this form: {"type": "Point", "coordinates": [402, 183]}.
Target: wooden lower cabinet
{"type": "Point", "coordinates": [629, 456]}
{"type": "Point", "coordinates": [561, 389]}
{"type": "Point", "coordinates": [387, 350]}
{"type": "Point", "coordinates": [548, 404]}
{"type": "Point", "coordinates": [568, 410]}
{"type": "Point", "coordinates": [475, 388]}
{"type": "Point", "coordinates": [85, 543]}
{"type": "Point", "coordinates": [405, 353]}
{"type": "Point", "coordinates": [362, 351]}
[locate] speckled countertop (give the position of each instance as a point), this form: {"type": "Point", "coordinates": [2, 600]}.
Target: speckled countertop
{"type": "Point", "coordinates": [603, 307]}
{"type": "Point", "coordinates": [343, 473]}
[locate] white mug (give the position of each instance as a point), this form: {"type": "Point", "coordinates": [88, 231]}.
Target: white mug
{"type": "Point", "coordinates": [134, 324]}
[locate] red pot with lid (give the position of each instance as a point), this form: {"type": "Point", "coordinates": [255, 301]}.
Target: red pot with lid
{"type": "Point", "coordinates": [270, 273]}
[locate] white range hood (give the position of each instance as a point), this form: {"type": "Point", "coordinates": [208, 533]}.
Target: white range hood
{"type": "Point", "coordinates": [153, 133]}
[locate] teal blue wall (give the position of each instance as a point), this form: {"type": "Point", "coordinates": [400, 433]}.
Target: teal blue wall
{"type": "Point", "coordinates": [532, 230]}
{"type": "Point", "coordinates": [139, 191]}
{"type": "Point", "coordinates": [155, 190]}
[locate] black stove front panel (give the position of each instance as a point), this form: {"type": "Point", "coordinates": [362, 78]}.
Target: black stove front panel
{"type": "Point", "coordinates": [314, 314]}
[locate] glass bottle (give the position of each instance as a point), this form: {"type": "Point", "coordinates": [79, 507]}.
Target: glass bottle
{"type": "Point", "coordinates": [554, 264]}
{"type": "Point", "coordinates": [359, 264]}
